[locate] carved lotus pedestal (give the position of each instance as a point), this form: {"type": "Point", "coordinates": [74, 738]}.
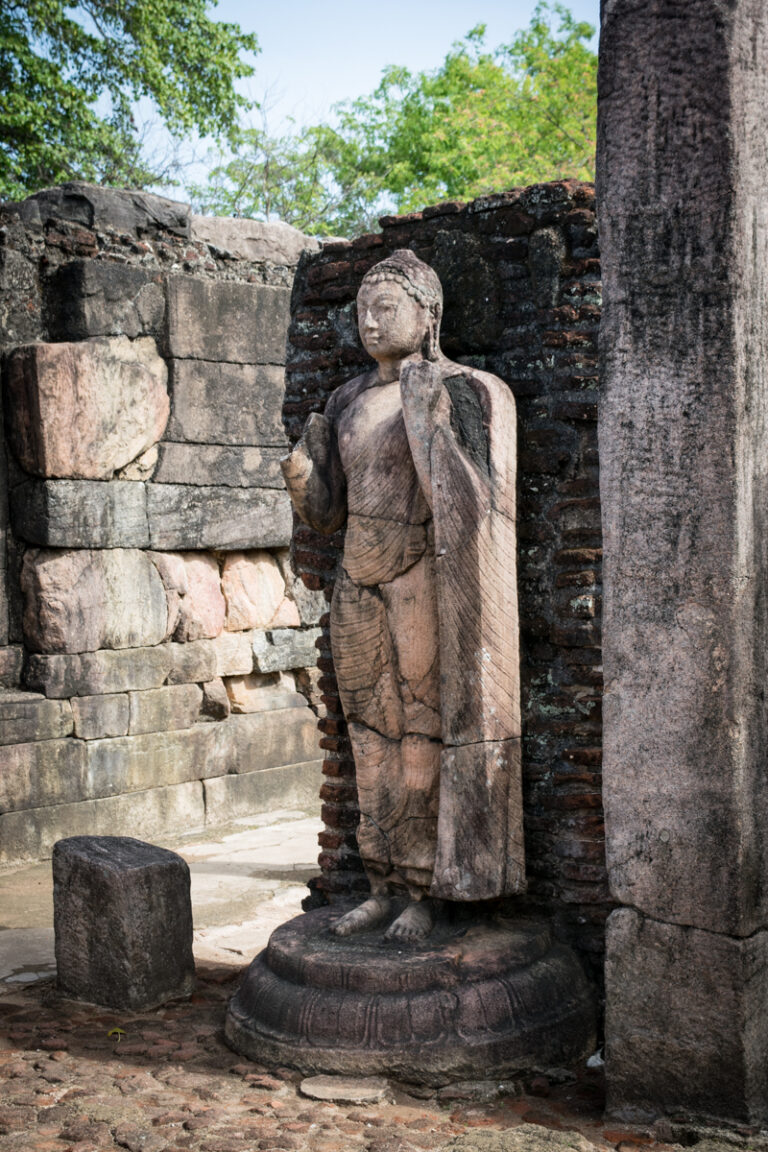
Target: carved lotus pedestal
{"type": "Point", "coordinates": [481, 999]}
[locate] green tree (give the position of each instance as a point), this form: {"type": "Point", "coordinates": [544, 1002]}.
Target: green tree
{"type": "Point", "coordinates": [484, 120]}
{"type": "Point", "coordinates": [297, 177]}
{"type": "Point", "coordinates": [71, 74]}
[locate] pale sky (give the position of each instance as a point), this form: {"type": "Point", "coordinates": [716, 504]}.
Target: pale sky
{"type": "Point", "coordinates": [317, 52]}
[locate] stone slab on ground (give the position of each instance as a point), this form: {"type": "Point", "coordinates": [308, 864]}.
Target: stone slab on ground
{"type": "Point", "coordinates": [168, 1082]}
{"type": "Point", "coordinates": [226, 320]}
{"type": "Point", "coordinates": [345, 1089]}
{"type": "Point", "coordinates": [81, 513]}
{"type": "Point", "coordinates": [183, 517]}
{"type": "Point", "coordinates": [122, 922]}
{"type": "Point", "coordinates": [526, 1138]}
{"type": "Point", "coordinates": [246, 880]}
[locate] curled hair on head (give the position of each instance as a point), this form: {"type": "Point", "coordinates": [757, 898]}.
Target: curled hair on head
{"type": "Point", "coordinates": [420, 282]}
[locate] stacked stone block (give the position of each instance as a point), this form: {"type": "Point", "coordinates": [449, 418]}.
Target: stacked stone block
{"type": "Point", "coordinates": [521, 277]}
{"type": "Point", "coordinates": [156, 648]}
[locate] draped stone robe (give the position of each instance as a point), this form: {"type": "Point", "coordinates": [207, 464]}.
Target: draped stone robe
{"type": "Point", "coordinates": [424, 623]}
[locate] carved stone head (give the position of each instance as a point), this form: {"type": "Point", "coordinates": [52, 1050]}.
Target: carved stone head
{"type": "Point", "coordinates": [399, 307]}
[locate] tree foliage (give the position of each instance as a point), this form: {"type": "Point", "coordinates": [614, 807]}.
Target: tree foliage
{"type": "Point", "coordinates": [71, 75]}
{"type": "Point", "coordinates": [483, 121]}
{"type": "Point", "coordinates": [299, 177]}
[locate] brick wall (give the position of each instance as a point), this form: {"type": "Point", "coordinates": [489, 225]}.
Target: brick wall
{"type": "Point", "coordinates": [156, 650]}
{"type": "Point", "coordinates": [521, 277]}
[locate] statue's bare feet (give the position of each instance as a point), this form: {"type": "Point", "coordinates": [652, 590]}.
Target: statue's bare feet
{"type": "Point", "coordinates": [365, 916]}
{"type": "Point", "coordinates": [415, 923]}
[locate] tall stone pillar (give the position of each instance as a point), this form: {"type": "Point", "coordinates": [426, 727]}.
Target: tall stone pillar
{"type": "Point", "coordinates": [683, 217]}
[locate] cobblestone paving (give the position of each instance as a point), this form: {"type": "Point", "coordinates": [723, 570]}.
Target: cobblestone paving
{"type": "Point", "coordinates": [70, 1083]}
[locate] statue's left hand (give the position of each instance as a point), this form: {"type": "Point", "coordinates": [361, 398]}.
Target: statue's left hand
{"type": "Point", "coordinates": [421, 384]}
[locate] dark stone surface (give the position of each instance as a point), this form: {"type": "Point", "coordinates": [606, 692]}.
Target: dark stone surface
{"type": "Point", "coordinates": [184, 517]}
{"type": "Point", "coordinates": [476, 999]}
{"type": "Point", "coordinates": [100, 298]}
{"type": "Point", "coordinates": [684, 472]}
{"type": "Point", "coordinates": [683, 1003]}
{"type": "Point", "coordinates": [81, 513]}
{"type": "Point", "coordinates": [123, 922]}
{"type": "Point", "coordinates": [215, 404]}
{"type": "Point", "coordinates": [113, 208]}
{"type": "Point", "coordinates": [683, 223]}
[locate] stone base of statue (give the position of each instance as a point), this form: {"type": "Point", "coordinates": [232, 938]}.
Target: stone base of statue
{"type": "Point", "coordinates": [480, 999]}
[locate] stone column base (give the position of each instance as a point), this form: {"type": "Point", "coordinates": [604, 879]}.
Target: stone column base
{"type": "Point", "coordinates": [474, 1001]}
{"type": "Point", "coordinates": [685, 1022]}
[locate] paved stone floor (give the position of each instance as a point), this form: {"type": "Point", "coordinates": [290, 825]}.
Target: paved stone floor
{"type": "Point", "coordinates": [78, 1078]}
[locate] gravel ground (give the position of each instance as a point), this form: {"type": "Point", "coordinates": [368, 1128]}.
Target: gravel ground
{"type": "Point", "coordinates": [70, 1083]}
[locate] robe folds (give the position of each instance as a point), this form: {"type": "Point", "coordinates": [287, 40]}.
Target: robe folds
{"type": "Point", "coordinates": [424, 620]}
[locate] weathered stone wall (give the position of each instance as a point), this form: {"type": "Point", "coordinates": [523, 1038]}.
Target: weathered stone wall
{"type": "Point", "coordinates": [522, 299]}
{"type": "Point", "coordinates": [156, 651]}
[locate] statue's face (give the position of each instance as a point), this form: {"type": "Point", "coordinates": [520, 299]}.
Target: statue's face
{"type": "Point", "coordinates": [392, 324]}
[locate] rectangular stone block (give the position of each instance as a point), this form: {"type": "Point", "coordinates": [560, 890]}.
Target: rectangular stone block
{"type": "Point", "coordinates": [11, 662]}
{"type": "Point", "coordinates": [259, 693]}
{"type": "Point", "coordinates": [684, 1021]}
{"type": "Point", "coordinates": [134, 763]}
{"type": "Point", "coordinates": [98, 673]}
{"type": "Point", "coordinates": [26, 716]}
{"type": "Point", "coordinates": [260, 740]}
{"type": "Point", "coordinates": [97, 717]}
{"type": "Point", "coordinates": [81, 513]}
{"type": "Point", "coordinates": [84, 410]}
{"type": "Point", "coordinates": [84, 600]}
{"type": "Point", "coordinates": [99, 298]}
{"type": "Point", "coordinates": [155, 814]}
{"type": "Point", "coordinates": [165, 709]}
{"type": "Point", "coordinates": [139, 213]}
{"type": "Point", "coordinates": [192, 663]}
{"type": "Point", "coordinates": [284, 648]}
{"type": "Point", "coordinates": [183, 517]}
{"type": "Point", "coordinates": [130, 902]}
{"type": "Point", "coordinates": [224, 320]}
{"type": "Point", "coordinates": [234, 654]}
{"type": "Point", "coordinates": [217, 464]}
{"type": "Point", "coordinates": [295, 786]}
{"type": "Point", "coordinates": [45, 772]}
{"type": "Point", "coordinates": [255, 240]}
{"type": "Point", "coordinates": [233, 404]}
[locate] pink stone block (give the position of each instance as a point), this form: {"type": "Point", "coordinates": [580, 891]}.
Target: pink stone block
{"type": "Point", "coordinates": [254, 590]}
{"type": "Point", "coordinates": [196, 605]}
{"type": "Point", "coordinates": [85, 410]}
